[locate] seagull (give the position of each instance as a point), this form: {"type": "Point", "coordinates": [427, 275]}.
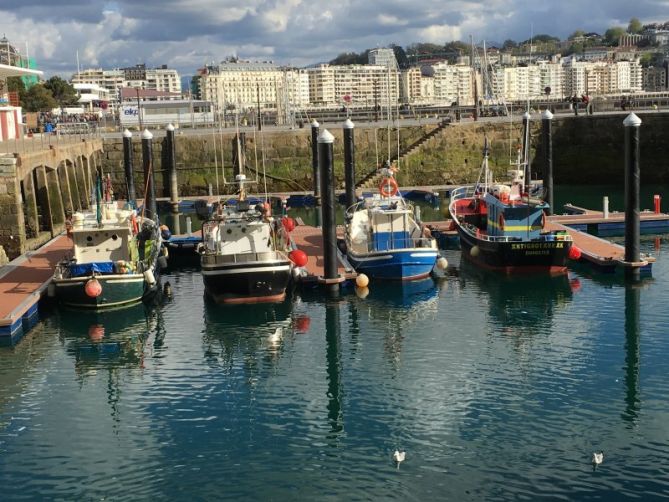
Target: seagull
{"type": "Point", "coordinates": [399, 457]}
{"type": "Point", "coordinates": [597, 458]}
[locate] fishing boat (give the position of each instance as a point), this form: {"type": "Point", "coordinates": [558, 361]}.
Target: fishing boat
{"type": "Point", "coordinates": [384, 238]}
{"type": "Point", "coordinates": [503, 228]}
{"type": "Point", "coordinates": [114, 261]}
{"type": "Point", "coordinates": [246, 253]}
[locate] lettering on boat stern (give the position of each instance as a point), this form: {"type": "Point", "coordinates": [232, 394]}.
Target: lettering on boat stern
{"type": "Point", "coordinates": [538, 245]}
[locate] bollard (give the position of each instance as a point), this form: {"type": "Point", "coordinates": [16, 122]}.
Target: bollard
{"type": "Point", "coordinates": [605, 207]}
{"type": "Point", "coordinates": [349, 162]}
{"type": "Point", "coordinates": [327, 179]}
{"type": "Point", "coordinates": [657, 202]}
{"type": "Point", "coordinates": [547, 137]}
{"type": "Point", "coordinates": [149, 185]}
{"type": "Point", "coordinates": [211, 190]}
{"type": "Point", "coordinates": [632, 186]}
{"type": "Point", "coordinates": [127, 168]}
{"type": "Point", "coordinates": [189, 225]}
{"type": "Point", "coordinates": [172, 168]}
{"type": "Point", "coordinates": [526, 152]}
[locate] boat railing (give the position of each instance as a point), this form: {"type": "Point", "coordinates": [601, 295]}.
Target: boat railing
{"type": "Point", "coordinates": [394, 244]}
{"type": "Point", "coordinates": [213, 257]}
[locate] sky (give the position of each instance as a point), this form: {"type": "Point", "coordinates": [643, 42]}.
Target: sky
{"type": "Point", "coordinates": [186, 34]}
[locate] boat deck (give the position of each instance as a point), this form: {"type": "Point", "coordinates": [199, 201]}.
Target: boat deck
{"type": "Point", "coordinates": [23, 282]}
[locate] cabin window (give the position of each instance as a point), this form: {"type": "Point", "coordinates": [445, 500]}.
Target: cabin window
{"type": "Point", "coordinates": [114, 237]}
{"type": "Point", "coordinates": [89, 238]}
{"type": "Point", "coordinates": [229, 230]}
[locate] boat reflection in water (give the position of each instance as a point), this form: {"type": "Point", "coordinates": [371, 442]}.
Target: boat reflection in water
{"type": "Point", "coordinates": [246, 330]}
{"type": "Point", "coordinates": [109, 339]}
{"type": "Point", "coordinates": [520, 304]}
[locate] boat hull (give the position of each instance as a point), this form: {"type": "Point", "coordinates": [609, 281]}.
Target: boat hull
{"type": "Point", "coordinates": [117, 291]}
{"type": "Point", "coordinates": [249, 282]}
{"type": "Point", "coordinates": [516, 257]}
{"type": "Point", "coordinates": [398, 265]}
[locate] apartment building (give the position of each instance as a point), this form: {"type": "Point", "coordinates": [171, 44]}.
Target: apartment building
{"type": "Point", "coordinates": [382, 57]}
{"type": "Point", "coordinates": [453, 84]}
{"type": "Point", "coordinates": [353, 85]}
{"type": "Point", "coordinates": [410, 88]}
{"type": "Point", "coordinates": [246, 84]}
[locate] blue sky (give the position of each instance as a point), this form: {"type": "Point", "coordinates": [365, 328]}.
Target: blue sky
{"type": "Point", "coordinates": [185, 34]}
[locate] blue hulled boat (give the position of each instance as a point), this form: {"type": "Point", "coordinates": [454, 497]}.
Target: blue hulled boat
{"type": "Point", "coordinates": [384, 240]}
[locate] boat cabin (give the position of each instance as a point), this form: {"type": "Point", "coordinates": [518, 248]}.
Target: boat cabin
{"type": "Point", "coordinates": [382, 228]}
{"type": "Point", "coordinates": [514, 217]}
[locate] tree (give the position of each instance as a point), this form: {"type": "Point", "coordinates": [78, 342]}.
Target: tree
{"type": "Point", "coordinates": [62, 91]}
{"type": "Point", "coordinates": [400, 55]}
{"type": "Point", "coordinates": [612, 35]}
{"type": "Point", "coordinates": [576, 34]}
{"type": "Point", "coordinates": [38, 98]}
{"type": "Point", "coordinates": [509, 44]}
{"type": "Point", "coordinates": [635, 26]}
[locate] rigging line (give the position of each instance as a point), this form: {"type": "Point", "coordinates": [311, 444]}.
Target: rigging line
{"type": "Point", "coordinates": [262, 154]}
{"type": "Point", "coordinates": [220, 132]}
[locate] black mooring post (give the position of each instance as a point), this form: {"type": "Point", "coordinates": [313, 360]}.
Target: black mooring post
{"type": "Point", "coordinates": [327, 179]}
{"type": "Point", "coordinates": [547, 139]}
{"type": "Point", "coordinates": [127, 168]}
{"type": "Point", "coordinates": [315, 128]}
{"type": "Point", "coordinates": [632, 186]}
{"type": "Point", "coordinates": [171, 159]}
{"type": "Point", "coordinates": [149, 182]}
{"type": "Point", "coordinates": [349, 162]}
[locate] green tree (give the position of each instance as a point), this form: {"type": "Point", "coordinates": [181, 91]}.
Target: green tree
{"type": "Point", "coordinates": [613, 35]}
{"type": "Point", "coordinates": [576, 34]}
{"type": "Point", "coordinates": [38, 99]}
{"type": "Point", "coordinates": [62, 91]}
{"type": "Point", "coordinates": [635, 26]}
{"type": "Point", "coordinates": [509, 44]}
{"type": "Point", "coordinates": [400, 55]}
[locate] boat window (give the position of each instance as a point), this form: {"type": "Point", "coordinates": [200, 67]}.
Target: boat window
{"type": "Point", "coordinates": [114, 237]}
{"type": "Point", "coordinates": [243, 230]}
{"type": "Point", "coordinates": [89, 238]}
{"type": "Point", "coordinates": [229, 230]}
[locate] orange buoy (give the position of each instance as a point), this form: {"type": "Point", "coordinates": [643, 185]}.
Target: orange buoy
{"type": "Point", "coordinates": [298, 257]}
{"type": "Point", "coordinates": [388, 187]}
{"type": "Point", "coordinates": [93, 288]}
{"type": "Point", "coordinates": [288, 223]}
{"type": "Point", "coordinates": [574, 253]}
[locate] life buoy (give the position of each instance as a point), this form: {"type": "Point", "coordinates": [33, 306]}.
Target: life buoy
{"type": "Point", "coordinates": [500, 221]}
{"type": "Point", "coordinates": [388, 187]}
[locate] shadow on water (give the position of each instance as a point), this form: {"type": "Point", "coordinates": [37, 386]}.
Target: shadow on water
{"type": "Point", "coordinates": [334, 369]}
{"type": "Point", "coordinates": [632, 356]}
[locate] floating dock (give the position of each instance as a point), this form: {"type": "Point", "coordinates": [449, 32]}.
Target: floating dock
{"type": "Point", "coordinates": [588, 220]}
{"type": "Point", "coordinates": [23, 282]}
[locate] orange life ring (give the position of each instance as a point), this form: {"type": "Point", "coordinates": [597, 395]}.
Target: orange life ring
{"type": "Point", "coordinates": [388, 187]}
{"type": "Point", "coordinates": [501, 221]}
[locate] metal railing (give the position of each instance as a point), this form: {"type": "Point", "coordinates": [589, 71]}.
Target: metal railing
{"type": "Point", "coordinates": [38, 142]}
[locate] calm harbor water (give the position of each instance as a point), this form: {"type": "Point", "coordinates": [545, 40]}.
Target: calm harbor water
{"type": "Point", "coordinates": [496, 388]}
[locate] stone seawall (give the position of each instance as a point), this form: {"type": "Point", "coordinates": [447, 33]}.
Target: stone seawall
{"type": "Point", "coordinates": [586, 150]}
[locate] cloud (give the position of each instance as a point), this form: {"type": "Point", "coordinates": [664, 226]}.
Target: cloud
{"type": "Point", "coordinates": [187, 33]}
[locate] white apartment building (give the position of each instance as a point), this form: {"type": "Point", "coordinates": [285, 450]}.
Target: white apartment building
{"type": "Point", "coordinates": [602, 77]}
{"type": "Point", "coordinates": [382, 57]}
{"type": "Point", "coordinates": [354, 85]}
{"type": "Point", "coordinates": [156, 79]}
{"type": "Point", "coordinates": [453, 83]}
{"type": "Point", "coordinates": [551, 75]}
{"type": "Point", "coordinates": [246, 84]}
{"type": "Point", "coordinates": [410, 89]}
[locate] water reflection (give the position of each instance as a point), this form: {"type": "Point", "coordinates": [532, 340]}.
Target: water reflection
{"type": "Point", "coordinates": [334, 369]}
{"type": "Point", "coordinates": [632, 331]}
{"type": "Point", "coordinates": [520, 304]}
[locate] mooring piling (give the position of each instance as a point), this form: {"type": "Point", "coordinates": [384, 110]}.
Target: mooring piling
{"type": "Point", "coordinates": [329, 229]}
{"type": "Point", "coordinates": [150, 204]}
{"type": "Point", "coordinates": [316, 174]}
{"type": "Point", "coordinates": [605, 207]}
{"type": "Point", "coordinates": [128, 167]}
{"type": "Point", "coordinates": [171, 158]}
{"type": "Point", "coordinates": [526, 152]}
{"type": "Point", "coordinates": [349, 162]}
{"type": "Point", "coordinates": [632, 187]}
{"type": "Point", "coordinates": [547, 136]}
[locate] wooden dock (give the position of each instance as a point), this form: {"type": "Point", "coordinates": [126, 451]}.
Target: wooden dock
{"type": "Point", "coordinates": [310, 240]}
{"type": "Point", "coordinates": [590, 220]}
{"type": "Point", "coordinates": [22, 283]}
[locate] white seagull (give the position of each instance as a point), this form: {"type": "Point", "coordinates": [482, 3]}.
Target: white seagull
{"type": "Point", "coordinates": [597, 458]}
{"type": "Point", "coordinates": [399, 457]}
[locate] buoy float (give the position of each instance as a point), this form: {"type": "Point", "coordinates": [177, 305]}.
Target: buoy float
{"type": "Point", "coordinates": [93, 288]}
{"type": "Point", "coordinates": [574, 253]}
{"type": "Point", "coordinates": [442, 263]}
{"type": "Point", "coordinates": [474, 251]}
{"type": "Point", "coordinates": [298, 257]}
{"type": "Point", "coordinates": [362, 292]}
{"type": "Point", "coordinates": [288, 223]}
{"type": "Point", "coordinates": [149, 277]}
{"type": "Point", "coordinates": [96, 332]}
{"type": "Point", "coordinates": [362, 281]}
